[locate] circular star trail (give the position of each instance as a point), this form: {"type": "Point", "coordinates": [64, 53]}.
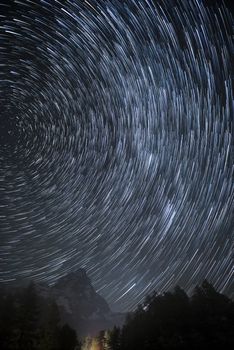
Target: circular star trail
{"type": "Point", "coordinates": [116, 144]}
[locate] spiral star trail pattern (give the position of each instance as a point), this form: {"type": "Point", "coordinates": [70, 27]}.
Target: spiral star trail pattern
{"type": "Point", "coordinates": [116, 145]}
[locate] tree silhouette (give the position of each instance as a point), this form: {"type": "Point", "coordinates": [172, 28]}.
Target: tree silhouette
{"type": "Point", "coordinates": [30, 322]}
{"type": "Point", "coordinates": [9, 331]}
{"type": "Point", "coordinates": [67, 338]}
{"type": "Point", "coordinates": [29, 319]}
{"type": "Point", "coordinates": [175, 321]}
{"type": "Point", "coordinates": [49, 327]}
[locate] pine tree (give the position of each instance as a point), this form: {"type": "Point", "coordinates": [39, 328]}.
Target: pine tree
{"type": "Point", "coordinates": [67, 338]}
{"type": "Point", "coordinates": [114, 339]}
{"type": "Point", "coordinates": [49, 327]}
{"type": "Point", "coordinates": [29, 319]}
{"type": "Point", "coordinates": [9, 331]}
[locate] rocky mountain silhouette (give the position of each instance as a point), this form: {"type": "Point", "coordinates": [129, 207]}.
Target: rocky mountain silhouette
{"type": "Point", "coordinates": [79, 304]}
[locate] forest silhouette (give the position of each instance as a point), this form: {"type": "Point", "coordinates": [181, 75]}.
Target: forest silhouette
{"type": "Point", "coordinates": [172, 320]}
{"type": "Point", "coordinates": [31, 322]}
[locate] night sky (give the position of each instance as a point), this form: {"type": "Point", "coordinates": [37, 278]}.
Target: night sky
{"type": "Point", "coordinates": [116, 144]}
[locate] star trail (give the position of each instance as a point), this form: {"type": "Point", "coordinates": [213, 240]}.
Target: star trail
{"type": "Point", "coordinates": [116, 144]}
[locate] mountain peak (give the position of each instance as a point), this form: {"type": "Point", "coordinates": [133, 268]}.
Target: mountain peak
{"type": "Point", "coordinates": [75, 281]}
{"type": "Point", "coordinates": [80, 306]}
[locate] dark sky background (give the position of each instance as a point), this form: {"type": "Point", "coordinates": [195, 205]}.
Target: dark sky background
{"type": "Point", "coordinates": [116, 144]}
